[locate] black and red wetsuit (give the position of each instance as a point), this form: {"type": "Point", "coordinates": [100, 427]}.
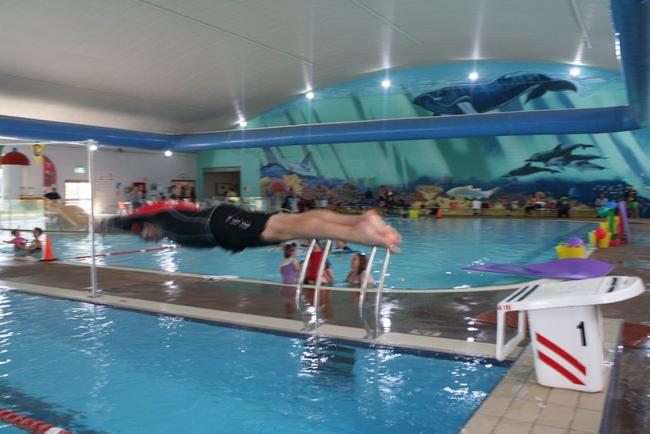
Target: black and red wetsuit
{"type": "Point", "coordinates": [225, 226]}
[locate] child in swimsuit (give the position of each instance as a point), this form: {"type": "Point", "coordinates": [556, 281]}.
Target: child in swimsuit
{"type": "Point", "coordinates": [18, 241]}
{"type": "Point", "coordinates": [289, 266]}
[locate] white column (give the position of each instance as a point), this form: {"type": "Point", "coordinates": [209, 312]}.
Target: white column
{"type": "Point", "coordinates": [12, 180]}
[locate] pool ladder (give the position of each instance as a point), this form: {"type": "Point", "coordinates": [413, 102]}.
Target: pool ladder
{"type": "Point", "coordinates": [299, 299]}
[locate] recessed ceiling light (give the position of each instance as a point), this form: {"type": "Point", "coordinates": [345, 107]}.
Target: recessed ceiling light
{"type": "Point", "coordinates": [385, 84]}
{"type": "Point", "coordinates": [473, 76]}
{"type": "Point", "coordinates": [574, 72]}
{"type": "Point", "coordinates": [310, 95]}
{"type": "Point", "coordinates": [168, 153]}
{"type": "Point", "coordinates": [92, 147]}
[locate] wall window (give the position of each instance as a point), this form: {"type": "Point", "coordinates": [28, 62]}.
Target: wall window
{"type": "Point", "coordinates": [78, 193]}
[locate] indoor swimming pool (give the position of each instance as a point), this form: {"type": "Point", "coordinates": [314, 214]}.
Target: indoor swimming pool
{"type": "Point", "coordinates": [94, 369]}
{"type": "Point", "coordinates": [433, 252]}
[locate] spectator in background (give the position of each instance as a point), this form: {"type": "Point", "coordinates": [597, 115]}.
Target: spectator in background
{"type": "Point", "coordinates": [476, 207]}
{"type": "Point", "coordinates": [563, 207]}
{"type": "Point", "coordinates": [192, 195]}
{"type": "Point", "coordinates": [631, 199]}
{"type": "Point", "coordinates": [52, 194]}
{"type": "Point", "coordinates": [369, 198]}
{"type": "Point", "coordinates": [601, 201]}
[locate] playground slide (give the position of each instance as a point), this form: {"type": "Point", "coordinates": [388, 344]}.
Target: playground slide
{"type": "Point", "coordinates": [74, 215]}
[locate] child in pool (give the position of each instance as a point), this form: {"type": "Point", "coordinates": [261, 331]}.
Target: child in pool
{"type": "Point", "coordinates": [35, 245]}
{"type": "Point", "coordinates": [358, 265]}
{"type": "Point", "coordinates": [18, 241]}
{"type": "Point", "coordinates": [289, 265]}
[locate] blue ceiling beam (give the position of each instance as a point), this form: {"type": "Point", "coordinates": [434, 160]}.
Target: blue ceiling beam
{"type": "Point", "coordinates": [570, 121]}
{"type": "Point", "coordinates": [632, 25]}
{"type": "Point", "coordinates": [46, 131]}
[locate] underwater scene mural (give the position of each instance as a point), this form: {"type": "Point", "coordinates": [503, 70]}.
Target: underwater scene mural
{"type": "Point", "coordinates": [502, 172]}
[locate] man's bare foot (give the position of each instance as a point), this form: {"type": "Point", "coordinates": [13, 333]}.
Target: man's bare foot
{"type": "Point", "coordinates": [374, 231]}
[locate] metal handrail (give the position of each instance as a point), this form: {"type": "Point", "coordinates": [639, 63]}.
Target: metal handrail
{"type": "Point", "coordinates": [380, 292]}
{"type": "Point", "coordinates": [301, 279]}
{"type": "Point", "coordinates": [364, 285]}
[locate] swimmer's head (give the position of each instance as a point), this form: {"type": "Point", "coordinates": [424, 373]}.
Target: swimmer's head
{"type": "Point", "coordinates": [37, 232]}
{"type": "Point", "coordinates": [359, 263]}
{"type": "Point", "coordinates": [15, 232]}
{"type": "Point", "coordinates": [289, 250]}
{"type": "Point", "coordinates": [150, 232]}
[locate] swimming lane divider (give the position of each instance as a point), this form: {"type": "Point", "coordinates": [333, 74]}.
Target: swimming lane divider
{"type": "Point", "coordinates": [29, 424]}
{"type": "Point", "coordinates": [128, 252]}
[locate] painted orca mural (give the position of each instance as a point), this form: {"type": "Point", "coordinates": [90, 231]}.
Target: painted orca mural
{"type": "Point", "coordinates": [485, 97]}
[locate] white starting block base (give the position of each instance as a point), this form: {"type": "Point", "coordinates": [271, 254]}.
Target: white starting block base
{"type": "Point", "coordinates": [568, 347]}
{"type": "Point", "coordinates": [565, 328]}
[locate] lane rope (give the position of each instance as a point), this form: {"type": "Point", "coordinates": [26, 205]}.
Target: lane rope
{"type": "Point", "coordinates": [128, 252]}
{"type": "Point", "coordinates": [29, 424]}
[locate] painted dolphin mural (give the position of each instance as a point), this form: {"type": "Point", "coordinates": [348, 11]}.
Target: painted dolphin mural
{"type": "Point", "coordinates": [567, 160]}
{"type": "Point", "coordinates": [469, 191]}
{"type": "Point", "coordinates": [583, 165]}
{"type": "Point", "coordinates": [559, 151]}
{"type": "Point", "coordinates": [526, 170]}
{"type": "Point", "coordinates": [484, 97]}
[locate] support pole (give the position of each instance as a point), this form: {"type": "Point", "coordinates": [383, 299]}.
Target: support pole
{"type": "Point", "coordinates": [92, 147]}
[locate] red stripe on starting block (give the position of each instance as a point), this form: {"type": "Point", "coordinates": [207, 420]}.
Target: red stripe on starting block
{"type": "Point", "coordinates": [560, 352]}
{"type": "Point", "coordinates": [559, 368]}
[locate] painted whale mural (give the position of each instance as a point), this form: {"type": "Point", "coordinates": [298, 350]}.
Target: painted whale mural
{"type": "Point", "coordinates": [485, 97]}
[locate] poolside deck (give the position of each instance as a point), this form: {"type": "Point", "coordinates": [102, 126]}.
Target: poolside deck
{"type": "Point", "coordinates": [412, 319]}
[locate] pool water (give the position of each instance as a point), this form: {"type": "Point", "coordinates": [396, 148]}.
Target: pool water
{"type": "Point", "coordinates": [433, 252]}
{"type": "Point", "coordinates": [95, 369]}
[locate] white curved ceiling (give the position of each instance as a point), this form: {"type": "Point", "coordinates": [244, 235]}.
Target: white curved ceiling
{"type": "Point", "coordinates": [196, 65]}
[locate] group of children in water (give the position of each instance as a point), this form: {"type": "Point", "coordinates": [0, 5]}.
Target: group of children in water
{"type": "Point", "coordinates": [290, 267]}
{"type": "Point", "coordinates": [20, 243]}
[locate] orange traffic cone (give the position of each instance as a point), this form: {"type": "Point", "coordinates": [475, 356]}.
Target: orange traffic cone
{"type": "Point", "coordinates": [47, 251]}
{"type": "Point", "coordinates": [439, 213]}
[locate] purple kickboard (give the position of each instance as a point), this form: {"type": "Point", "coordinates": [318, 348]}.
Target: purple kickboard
{"type": "Point", "coordinates": [573, 268]}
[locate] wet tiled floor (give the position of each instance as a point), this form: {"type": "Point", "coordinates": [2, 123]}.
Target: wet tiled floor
{"type": "Point", "coordinates": [420, 315]}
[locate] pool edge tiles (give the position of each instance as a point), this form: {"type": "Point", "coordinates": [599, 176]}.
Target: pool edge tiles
{"type": "Point", "coordinates": [266, 323]}
{"type": "Point", "coordinates": [519, 404]}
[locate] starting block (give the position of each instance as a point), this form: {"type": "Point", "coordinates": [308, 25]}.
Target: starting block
{"type": "Point", "coordinates": [565, 327]}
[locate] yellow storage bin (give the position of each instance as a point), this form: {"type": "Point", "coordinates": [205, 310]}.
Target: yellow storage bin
{"type": "Point", "coordinates": [564, 252]}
